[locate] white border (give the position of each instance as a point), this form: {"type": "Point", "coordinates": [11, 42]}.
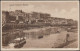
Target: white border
{"type": "Point", "coordinates": [39, 48]}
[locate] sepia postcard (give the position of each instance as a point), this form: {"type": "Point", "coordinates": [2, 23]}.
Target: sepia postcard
{"type": "Point", "coordinates": [39, 25]}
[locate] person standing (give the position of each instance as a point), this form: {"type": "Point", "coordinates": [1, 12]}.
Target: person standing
{"type": "Point", "coordinates": [67, 38]}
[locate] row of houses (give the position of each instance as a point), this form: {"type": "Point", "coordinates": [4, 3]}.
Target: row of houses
{"type": "Point", "coordinates": [18, 16]}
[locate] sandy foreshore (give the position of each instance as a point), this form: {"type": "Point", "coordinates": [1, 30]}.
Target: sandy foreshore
{"type": "Point", "coordinates": [53, 41]}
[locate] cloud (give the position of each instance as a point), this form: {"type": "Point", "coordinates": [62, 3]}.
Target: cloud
{"type": "Point", "coordinates": [73, 13]}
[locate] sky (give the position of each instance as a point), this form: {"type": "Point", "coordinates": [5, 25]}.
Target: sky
{"type": "Point", "coordinates": [61, 9]}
